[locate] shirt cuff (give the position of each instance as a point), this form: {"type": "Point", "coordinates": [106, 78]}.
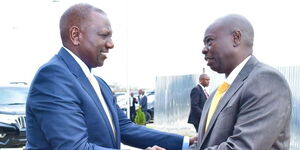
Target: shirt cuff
{"type": "Point", "coordinates": [186, 143]}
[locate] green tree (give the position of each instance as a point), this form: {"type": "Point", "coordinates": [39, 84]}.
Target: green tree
{"type": "Point", "coordinates": [140, 117]}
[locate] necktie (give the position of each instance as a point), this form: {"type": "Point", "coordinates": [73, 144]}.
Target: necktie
{"type": "Point", "coordinates": [97, 89]}
{"type": "Point", "coordinates": [206, 94]}
{"type": "Point", "coordinates": [215, 102]}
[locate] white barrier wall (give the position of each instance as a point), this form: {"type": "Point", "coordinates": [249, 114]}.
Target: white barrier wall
{"type": "Point", "coordinates": [292, 75]}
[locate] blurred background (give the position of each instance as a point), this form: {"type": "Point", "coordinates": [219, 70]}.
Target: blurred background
{"type": "Point", "coordinates": [152, 37]}
{"type": "Point", "coordinates": [158, 47]}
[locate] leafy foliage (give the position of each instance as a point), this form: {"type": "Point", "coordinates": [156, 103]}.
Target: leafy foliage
{"type": "Point", "coordinates": [140, 117]}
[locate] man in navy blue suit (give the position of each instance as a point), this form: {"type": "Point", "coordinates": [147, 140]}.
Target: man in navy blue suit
{"type": "Point", "coordinates": [198, 98]}
{"type": "Point", "coordinates": [70, 108]}
{"type": "Point", "coordinates": [142, 98]}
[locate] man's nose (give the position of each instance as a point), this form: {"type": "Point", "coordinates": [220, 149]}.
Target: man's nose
{"type": "Point", "coordinates": [110, 44]}
{"type": "Point", "coordinates": [204, 50]}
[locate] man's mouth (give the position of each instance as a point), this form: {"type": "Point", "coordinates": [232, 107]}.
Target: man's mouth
{"type": "Point", "coordinates": [104, 53]}
{"type": "Point", "coordinates": [208, 58]}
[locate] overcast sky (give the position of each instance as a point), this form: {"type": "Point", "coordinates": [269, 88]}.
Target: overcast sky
{"type": "Point", "coordinates": [152, 37]}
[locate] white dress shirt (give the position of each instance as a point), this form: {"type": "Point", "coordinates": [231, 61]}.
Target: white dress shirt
{"type": "Point", "coordinates": [236, 71]}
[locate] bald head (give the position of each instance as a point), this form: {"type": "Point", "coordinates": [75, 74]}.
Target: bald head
{"type": "Point", "coordinates": [237, 23]}
{"type": "Point", "coordinates": [204, 80]}
{"type": "Point", "coordinates": [228, 41]}
{"type": "Point", "coordinates": [76, 15]}
{"type": "Point", "coordinates": [202, 76]}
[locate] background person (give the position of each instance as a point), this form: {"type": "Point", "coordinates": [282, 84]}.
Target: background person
{"type": "Point", "coordinates": [142, 98]}
{"type": "Point", "coordinates": [198, 98]}
{"type": "Point", "coordinates": [132, 102]}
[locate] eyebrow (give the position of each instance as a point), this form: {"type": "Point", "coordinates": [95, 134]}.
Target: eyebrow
{"type": "Point", "coordinates": [105, 31]}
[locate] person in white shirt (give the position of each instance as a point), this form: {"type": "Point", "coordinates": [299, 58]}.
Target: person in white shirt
{"type": "Point", "coordinates": [132, 103]}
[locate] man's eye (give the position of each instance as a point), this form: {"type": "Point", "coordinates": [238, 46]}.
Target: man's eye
{"type": "Point", "coordinates": [209, 42]}
{"type": "Point", "coordinates": [104, 35]}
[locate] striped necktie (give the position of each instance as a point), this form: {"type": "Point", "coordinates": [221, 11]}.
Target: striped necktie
{"type": "Point", "coordinates": [206, 94]}
{"type": "Point", "coordinates": [215, 102]}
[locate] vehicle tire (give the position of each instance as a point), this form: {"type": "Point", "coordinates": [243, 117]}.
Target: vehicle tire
{"type": "Point", "coordinates": [148, 117]}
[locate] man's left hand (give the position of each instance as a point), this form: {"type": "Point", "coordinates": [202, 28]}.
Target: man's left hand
{"type": "Point", "coordinates": [155, 147]}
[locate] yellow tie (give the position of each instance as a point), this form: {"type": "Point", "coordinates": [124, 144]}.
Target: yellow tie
{"type": "Point", "coordinates": [215, 102]}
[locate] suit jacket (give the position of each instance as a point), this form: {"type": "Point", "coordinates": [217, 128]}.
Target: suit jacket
{"type": "Point", "coordinates": [143, 102]}
{"type": "Point", "coordinates": [134, 101]}
{"type": "Point", "coordinates": [198, 99]}
{"type": "Point", "coordinates": [254, 113]}
{"type": "Point", "coordinates": [64, 112]}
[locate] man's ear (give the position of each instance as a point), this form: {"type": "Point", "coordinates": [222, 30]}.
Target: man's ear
{"type": "Point", "coordinates": [74, 33]}
{"type": "Point", "coordinates": [236, 35]}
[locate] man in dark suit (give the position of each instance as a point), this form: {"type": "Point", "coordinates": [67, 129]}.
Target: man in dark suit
{"type": "Point", "coordinates": [70, 108]}
{"type": "Point", "coordinates": [251, 109]}
{"type": "Point", "coordinates": [132, 102]}
{"type": "Point", "coordinates": [143, 100]}
{"type": "Point", "coordinates": [198, 97]}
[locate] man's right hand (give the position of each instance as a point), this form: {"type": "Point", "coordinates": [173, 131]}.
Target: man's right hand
{"type": "Point", "coordinates": [192, 140]}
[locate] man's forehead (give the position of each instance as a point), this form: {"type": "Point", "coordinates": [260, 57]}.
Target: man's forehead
{"type": "Point", "coordinates": [213, 28]}
{"type": "Point", "coordinates": [100, 19]}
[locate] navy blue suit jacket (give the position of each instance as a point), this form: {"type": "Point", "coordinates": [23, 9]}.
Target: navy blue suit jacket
{"type": "Point", "coordinates": [198, 99]}
{"type": "Point", "coordinates": [64, 112]}
{"type": "Point", "coordinates": [143, 102]}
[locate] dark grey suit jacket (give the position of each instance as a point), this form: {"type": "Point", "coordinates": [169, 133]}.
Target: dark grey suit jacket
{"type": "Point", "coordinates": [254, 114]}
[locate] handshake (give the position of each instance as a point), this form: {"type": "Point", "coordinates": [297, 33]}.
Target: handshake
{"type": "Point", "coordinates": [192, 143]}
{"type": "Point", "coordinates": [155, 147]}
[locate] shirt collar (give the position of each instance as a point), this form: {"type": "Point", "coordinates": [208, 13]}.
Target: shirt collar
{"type": "Point", "coordinates": [201, 86]}
{"type": "Point", "coordinates": [236, 71]}
{"type": "Point", "coordinates": [82, 65]}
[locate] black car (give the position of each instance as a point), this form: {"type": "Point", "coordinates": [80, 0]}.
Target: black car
{"type": "Point", "coordinates": [12, 115]}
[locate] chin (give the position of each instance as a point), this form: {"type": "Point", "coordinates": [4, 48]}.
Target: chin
{"type": "Point", "coordinates": [213, 68]}
{"type": "Point", "coordinates": [216, 69]}
{"type": "Point", "coordinates": [100, 64]}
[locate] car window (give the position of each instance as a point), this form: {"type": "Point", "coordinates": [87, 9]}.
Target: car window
{"type": "Point", "coordinates": [13, 95]}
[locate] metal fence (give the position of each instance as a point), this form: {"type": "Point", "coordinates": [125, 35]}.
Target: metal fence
{"type": "Point", "coordinates": [172, 104]}
{"type": "Point", "coordinates": [292, 75]}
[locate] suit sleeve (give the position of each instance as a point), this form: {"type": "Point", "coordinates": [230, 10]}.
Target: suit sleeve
{"type": "Point", "coordinates": [264, 115]}
{"type": "Point", "coordinates": [142, 137]}
{"type": "Point", "coordinates": [55, 107]}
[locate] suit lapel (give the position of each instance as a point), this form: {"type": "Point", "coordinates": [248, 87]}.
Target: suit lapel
{"type": "Point", "coordinates": [204, 117]}
{"type": "Point", "coordinates": [85, 83]}
{"type": "Point", "coordinates": [108, 98]}
{"type": "Point", "coordinates": [236, 85]}
{"type": "Point", "coordinates": [77, 72]}
{"type": "Point", "coordinates": [201, 91]}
